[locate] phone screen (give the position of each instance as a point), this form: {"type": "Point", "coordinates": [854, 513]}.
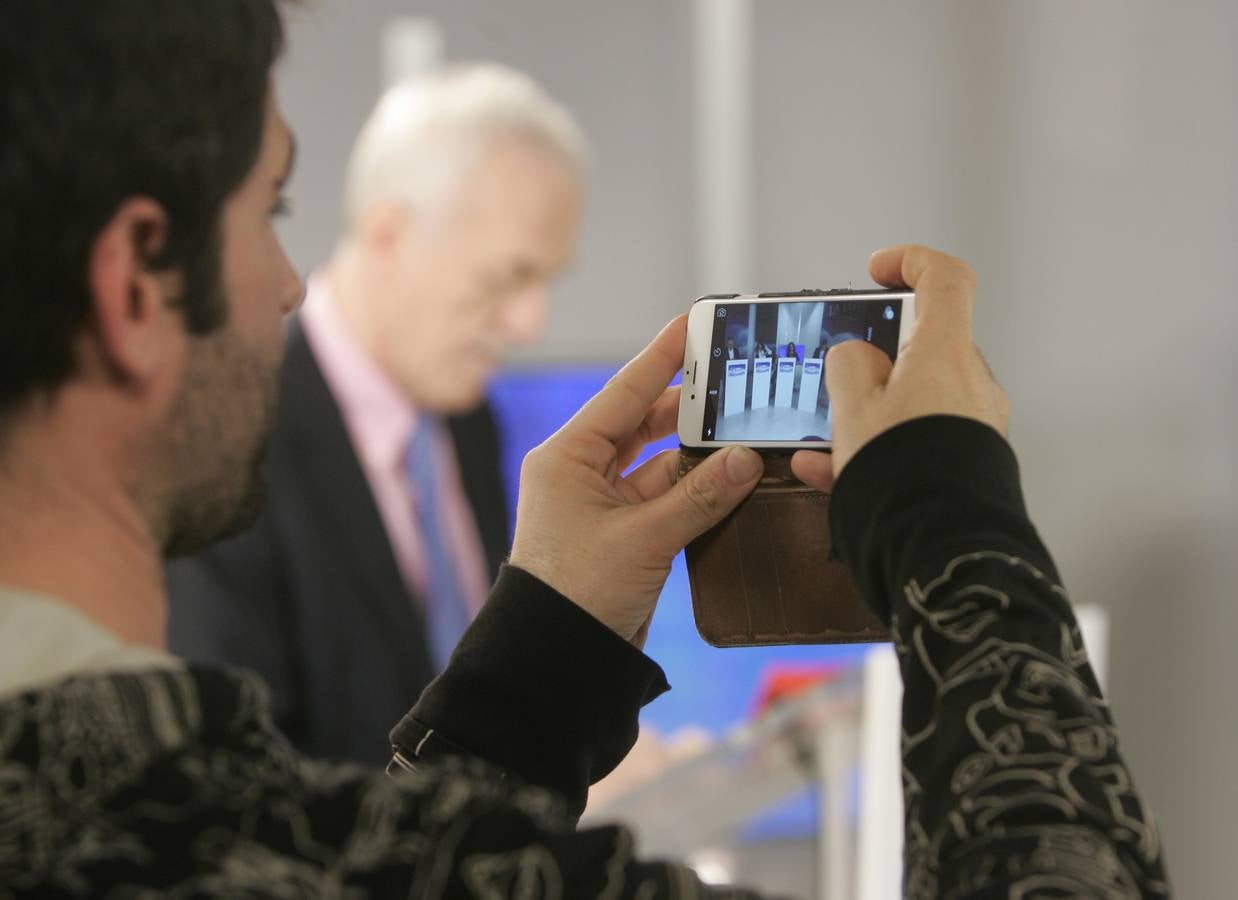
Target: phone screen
{"type": "Point", "coordinates": [766, 377]}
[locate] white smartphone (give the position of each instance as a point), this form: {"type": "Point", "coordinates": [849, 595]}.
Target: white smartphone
{"type": "Point", "coordinates": [754, 364]}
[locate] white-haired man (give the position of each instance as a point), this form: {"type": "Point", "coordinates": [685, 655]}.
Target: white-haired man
{"type": "Point", "coordinates": [386, 519]}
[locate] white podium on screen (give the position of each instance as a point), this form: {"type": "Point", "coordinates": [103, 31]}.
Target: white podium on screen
{"type": "Point", "coordinates": [810, 385]}
{"type": "Point", "coordinates": [786, 381]}
{"type": "Point", "coordinates": [761, 369]}
{"type": "Point", "coordinates": [736, 386]}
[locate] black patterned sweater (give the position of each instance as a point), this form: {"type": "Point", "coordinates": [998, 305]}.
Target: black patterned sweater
{"type": "Point", "coordinates": [174, 783]}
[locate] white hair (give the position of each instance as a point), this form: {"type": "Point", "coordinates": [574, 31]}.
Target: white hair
{"type": "Point", "coordinates": [427, 135]}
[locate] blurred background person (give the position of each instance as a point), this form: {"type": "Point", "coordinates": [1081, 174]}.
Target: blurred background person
{"type": "Point", "coordinates": [387, 515]}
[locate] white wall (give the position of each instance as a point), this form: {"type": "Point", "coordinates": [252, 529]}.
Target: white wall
{"type": "Point", "coordinates": [1084, 157]}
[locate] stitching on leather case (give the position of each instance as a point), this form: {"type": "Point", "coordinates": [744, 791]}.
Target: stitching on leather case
{"type": "Point", "coordinates": [739, 554]}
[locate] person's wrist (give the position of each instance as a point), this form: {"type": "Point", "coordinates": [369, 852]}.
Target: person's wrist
{"type": "Point", "coordinates": [916, 454]}
{"type": "Point", "coordinates": [920, 492]}
{"type": "Point", "coordinates": [561, 579]}
{"type": "Point", "coordinates": [537, 665]}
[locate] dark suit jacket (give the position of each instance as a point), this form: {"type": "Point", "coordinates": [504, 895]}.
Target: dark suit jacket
{"type": "Point", "coordinates": [312, 598]}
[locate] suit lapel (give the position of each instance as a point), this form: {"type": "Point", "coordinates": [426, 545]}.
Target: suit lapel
{"type": "Point", "coordinates": [344, 514]}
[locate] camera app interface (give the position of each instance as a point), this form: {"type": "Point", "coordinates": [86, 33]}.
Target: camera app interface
{"type": "Point", "coordinates": [767, 365]}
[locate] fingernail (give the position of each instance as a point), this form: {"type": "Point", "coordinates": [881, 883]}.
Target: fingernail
{"type": "Point", "coordinates": [743, 464]}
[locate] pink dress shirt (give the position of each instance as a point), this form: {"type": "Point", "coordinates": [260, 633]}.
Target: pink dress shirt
{"type": "Point", "coordinates": [380, 422]}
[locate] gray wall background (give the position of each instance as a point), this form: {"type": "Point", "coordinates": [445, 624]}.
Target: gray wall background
{"type": "Point", "coordinates": [1082, 154]}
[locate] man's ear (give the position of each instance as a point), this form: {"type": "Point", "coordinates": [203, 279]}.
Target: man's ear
{"type": "Point", "coordinates": [130, 302]}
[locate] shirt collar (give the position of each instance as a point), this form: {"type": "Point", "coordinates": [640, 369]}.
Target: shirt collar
{"type": "Point", "coordinates": [378, 414]}
{"type": "Point", "coordinates": [45, 640]}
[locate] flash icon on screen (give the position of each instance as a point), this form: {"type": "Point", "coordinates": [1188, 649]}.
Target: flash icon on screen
{"type": "Point", "coordinates": [889, 313]}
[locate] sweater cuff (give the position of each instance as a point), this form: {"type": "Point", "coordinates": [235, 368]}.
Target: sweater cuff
{"type": "Point", "coordinates": [920, 492]}
{"type": "Point", "coordinates": [537, 687]}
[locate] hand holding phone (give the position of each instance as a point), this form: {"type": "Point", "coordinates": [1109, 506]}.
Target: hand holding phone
{"type": "Point", "coordinates": [603, 539]}
{"type": "Point", "coordinates": [938, 371]}
{"type": "Point", "coordinates": [764, 575]}
{"type": "Point", "coordinates": [755, 374]}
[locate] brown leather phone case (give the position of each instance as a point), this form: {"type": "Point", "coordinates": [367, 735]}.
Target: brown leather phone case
{"type": "Point", "coordinates": [765, 575]}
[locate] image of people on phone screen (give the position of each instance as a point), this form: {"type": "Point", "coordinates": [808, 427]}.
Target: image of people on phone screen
{"type": "Point", "coordinates": [781, 395]}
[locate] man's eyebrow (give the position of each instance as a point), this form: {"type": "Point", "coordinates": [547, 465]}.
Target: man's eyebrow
{"type": "Point", "coordinates": [292, 159]}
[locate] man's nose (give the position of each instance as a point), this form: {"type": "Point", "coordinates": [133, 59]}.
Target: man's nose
{"type": "Point", "coordinates": [523, 316]}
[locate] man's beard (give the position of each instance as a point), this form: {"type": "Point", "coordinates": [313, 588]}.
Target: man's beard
{"type": "Point", "coordinates": [216, 439]}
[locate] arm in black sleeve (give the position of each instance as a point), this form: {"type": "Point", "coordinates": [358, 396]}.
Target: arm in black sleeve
{"type": "Point", "coordinates": [538, 693]}
{"type": "Point", "coordinates": [1013, 779]}
{"type": "Point", "coordinates": [538, 688]}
